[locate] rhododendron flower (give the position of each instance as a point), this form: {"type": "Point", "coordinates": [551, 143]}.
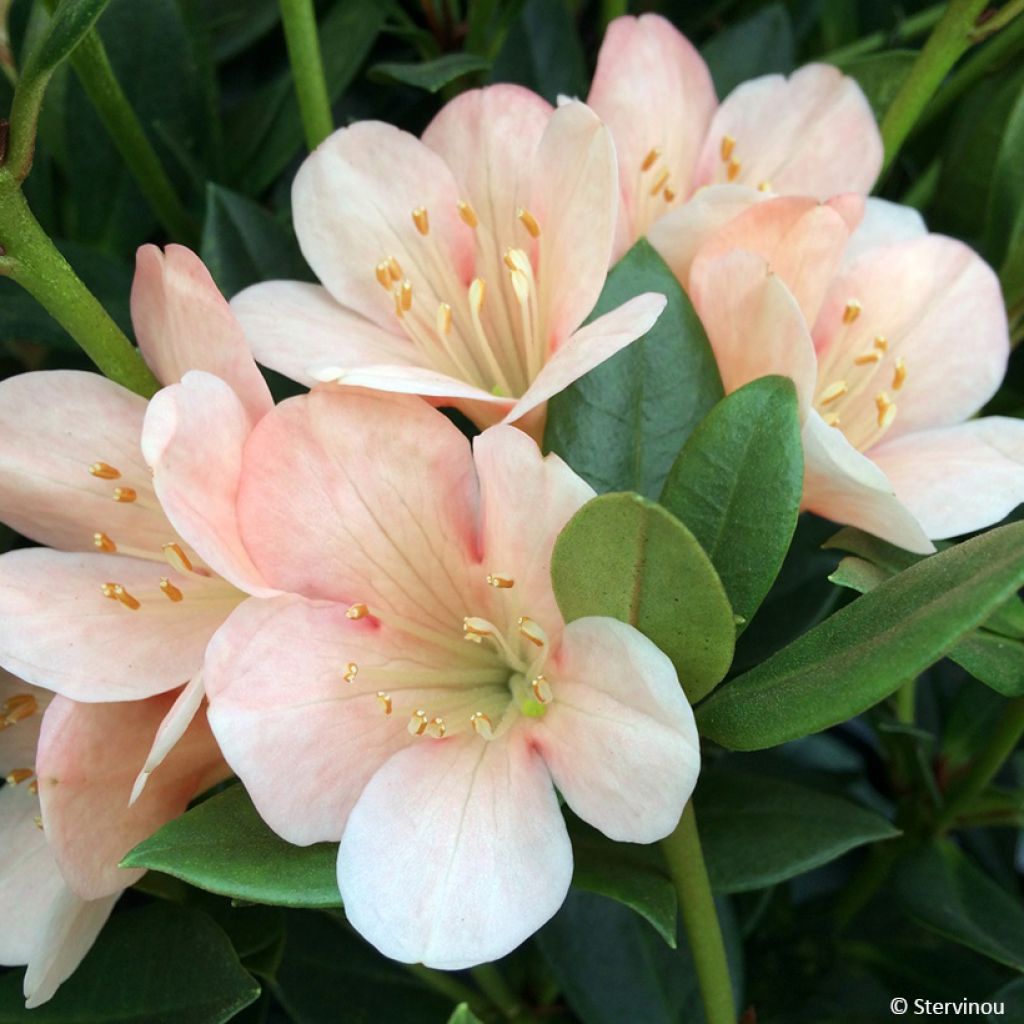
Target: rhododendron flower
{"type": "Point", "coordinates": [418, 680]}
{"type": "Point", "coordinates": [894, 338]}
{"type": "Point", "coordinates": [811, 134]}
{"type": "Point", "coordinates": [459, 267]}
{"type": "Point", "coordinates": [65, 822]}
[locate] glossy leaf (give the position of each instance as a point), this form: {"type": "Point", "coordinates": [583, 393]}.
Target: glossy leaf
{"type": "Point", "coordinates": [628, 558]}
{"type": "Point", "coordinates": [759, 45]}
{"type": "Point", "coordinates": [737, 486]}
{"type": "Point", "coordinates": [223, 846]}
{"type": "Point", "coordinates": [71, 21]}
{"type": "Point", "coordinates": [1004, 226]}
{"type": "Point", "coordinates": [621, 425]}
{"type": "Point", "coordinates": [464, 1015]}
{"type": "Point", "coordinates": [868, 649]}
{"type": "Point", "coordinates": [431, 75]}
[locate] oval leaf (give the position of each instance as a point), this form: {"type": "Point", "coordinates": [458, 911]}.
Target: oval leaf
{"type": "Point", "coordinates": [432, 75]}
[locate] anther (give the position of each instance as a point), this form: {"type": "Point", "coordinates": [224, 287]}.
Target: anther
{"type": "Point", "coordinates": [170, 590]}
{"type": "Point", "coordinates": [17, 709]}
{"type": "Point", "coordinates": [104, 471]}
{"type": "Point", "coordinates": [867, 358]}
{"type": "Point", "coordinates": [668, 195]}
{"type": "Point", "coordinates": [115, 592]}
{"type": "Point", "coordinates": [542, 690]}
{"type": "Point", "coordinates": [437, 728]}
{"type": "Point", "coordinates": [764, 186]}
{"type": "Point", "coordinates": [418, 723]}
{"type": "Point", "coordinates": [473, 627]}
{"type": "Point", "coordinates": [467, 213]}
{"type": "Point", "coordinates": [395, 269]}
{"type": "Point", "coordinates": [732, 172]}
{"type": "Point", "coordinates": [33, 787]}
{"type": "Point", "coordinates": [851, 311]}
{"type": "Point", "coordinates": [648, 163]}
{"type": "Point", "coordinates": [124, 494]}
{"type": "Point", "coordinates": [104, 543]}
{"type": "Point", "coordinates": [899, 375]}
{"type": "Point", "coordinates": [357, 611]}
{"type": "Point", "coordinates": [528, 221]}
{"type": "Point", "coordinates": [500, 581]}
{"type": "Point", "coordinates": [351, 671]}
{"type": "Point", "coordinates": [176, 558]}
{"type": "Point", "coordinates": [444, 319]}
{"type": "Point", "coordinates": [383, 275]}
{"type": "Point", "coordinates": [726, 148]}
{"type": "Point", "coordinates": [384, 699]}
{"type": "Point", "coordinates": [38, 819]}
{"type": "Point", "coordinates": [18, 776]}
{"type": "Point", "coordinates": [886, 409]}
{"type": "Point", "coordinates": [833, 391]}
{"type": "Point", "coordinates": [406, 295]}
{"type": "Point", "coordinates": [477, 292]}
{"type": "Point", "coordinates": [481, 725]}
{"type": "Point", "coordinates": [832, 419]}
{"type": "Point", "coordinates": [881, 343]}
{"type": "Point", "coordinates": [659, 183]}
{"type": "Point", "coordinates": [532, 632]}
{"type": "Point", "coordinates": [421, 220]}
{"type": "Point", "coordinates": [397, 296]}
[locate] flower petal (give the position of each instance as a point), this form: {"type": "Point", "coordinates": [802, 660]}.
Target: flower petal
{"type": "Point", "coordinates": [811, 134]}
{"type": "Point", "coordinates": [847, 487]}
{"type": "Point", "coordinates": [471, 833]}
{"type": "Point", "coordinates": [882, 224]}
{"type": "Point", "coordinates": [184, 323]}
{"type": "Point", "coordinates": [958, 479]}
{"type": "Point", "coordinates": [619, 738]}
{"type": "Point", "coordinates": [654, 92]}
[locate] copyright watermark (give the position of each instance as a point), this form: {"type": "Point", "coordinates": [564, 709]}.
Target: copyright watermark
{"type": "Point", "coordinates": [933, 1008]}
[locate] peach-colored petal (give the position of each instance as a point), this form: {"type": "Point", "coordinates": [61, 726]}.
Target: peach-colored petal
{"type": "Point", "coordinates": [619, 738]}
{"type": "Point", "coordinates": [847, 487]}
{"type": "Point", "coordinates": [654, 91]}
{"type": "Point", "coordinates": [184, 323]}
{"type": "Point", "coordinates": [882, 224]}
{"type": "Point", "coordinates": [471, 834]}
{"type": "Point", "coordinates": [54, 426]}
{"type": "Point", "coordinates": [89, 756]}
{"type": "Point", "coordinates": [59, 630]}
{"type": "Point", "coordinates": [193, 439]}
{"type": "Point", "coordinates": [753, 322]}
{"type": "Point", "coordinates": [957, 479]}
{"type": "Point", "coordinates": [293, 327]}
{"type": "Point", "coordinates": [811, 134]}
{"type": "Point", "coordinates": [360, 497]}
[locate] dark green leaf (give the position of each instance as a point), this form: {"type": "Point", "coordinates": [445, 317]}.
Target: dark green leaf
{"type": "Point", "coordinates": [431, 75]}
{"type": "Point", "coordinates": [72, 19]}
{"type": "Point", "coordinates": [757, 830]}
{"type": "Point", "coordinates": [234, 25]}
{"type": "Point", "coordinates": [223, 846]}
{"type": "Point", "coordinates": [947, 894]}
{"type": "Point", "coordinates": [868, 649]}
{"type": "Point", "coordinates": [758, 45]}
{"type": "Point", "coordinates": [880, 75]}
{"type": "Point", "coordinates": [1005, 222]}
{"type": "Point", "coordinates": [626, 557]}
{"type": "Point", "coordinates": [621, 425]}
{"type": "Point", "coordinates": [737, 485]}
{"type": "Point", "coordinates": [158, 964]}
{"type": "Point", "coordinates": [464, 1015]}
{"type": "Point", "coordinates": [1011, 998]}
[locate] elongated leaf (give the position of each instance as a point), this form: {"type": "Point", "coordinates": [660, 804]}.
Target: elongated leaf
{"type": "Point", "coordinates": [1005, 222]}
{"type": "Point", "coordinates": [621, 425]}
{"type": "Point", "coordinates": [431, 75]}
{"type": "Point", "coordinates": [880, 75]}
{"type": "Point", "coordinates": [946, 893]}
{"type": "Point", "coordinates": [224, 846]}
{"type": "Point", "coordinates": [758, 45]}
{"type": "Point", "coordinates": [160, 963]}
{"type": "Point", "coordinates": [868, 649]}
{"type": "Point", "coordinates": [758, 830]}
{"type": "Point", "coordinates": [628, 558]}
{"type": "Point", "coordinates": [72, 20]}
{"type": "Point", "coordinates": [737, 485]}
{"type": "Point", "coordinates": [464, 1015]}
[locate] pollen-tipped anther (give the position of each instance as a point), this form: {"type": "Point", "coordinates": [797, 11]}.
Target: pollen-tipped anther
{"type": "Point", "coordinates": [176, 558]}
{"type": "Point", "coordinates": [357, 611]}
{"type": "Point", "coordinates": [421, 219]}
{"type": "Point", "coordinates": [103, 543]}
{"type": "Point", "coordinates": [125, 494]}
{"type": "Point", "coordinates": [170, 591]}
{"type": "Point", "coordinates": [104, 471]}
{"type": "Point", "coordinates": [350, 673]}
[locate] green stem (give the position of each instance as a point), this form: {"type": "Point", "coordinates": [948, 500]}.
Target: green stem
{"type": "Point", "coordinates": [690, 876]}
{"type": "Point", "coordinates": [612, 9]}
{"type": "Point", "coordinates": [32, 260]}
{"type": "Point", "coordinates": [948, 42]}
{"type": "Point", "coordinates": [909, 28]}
{"type": "Point", "coordinates": [493, 985]}
{"type": "Point", "coordinates": [905, 702]}
{"type": "Point", "coordinates": [986, 764]}
{"type": "Point", "coordinates": [451, 987]}
{"type": "Point", "coordinates": [307, 70]}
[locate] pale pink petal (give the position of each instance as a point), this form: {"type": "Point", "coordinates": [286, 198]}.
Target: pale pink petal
{"type": "Point", "coordinates": [55, 425]}
{"type": "Point", "coordinates": [957, 479]}
{"type": "Point", "coordinates": [882, 224]}
{"type": "Point", "coordinates": [89, 756]}
{"type": "Point", "coordinates": [847, 487]}
{"type": "Point", "coordinates": [293, 327]}
{"type": "Point", "coordinates": [811, 134]}
{"type": "Point", "coordinates": [193, 439]}
{"type": "Point", "coordinates": [411, 380]}
{"type": "Point", "coordinates": [654, 92]}
{"type": "Point", "coordinates": [183, 323]}
{"type": "Point", "coordinates": [940, 308]}
{"type": "Point", "coordinates": [363, 497]}
{"type": "Point", "coordinates": [589, 347]}
{"type": "Point", "coordinates": [18, 745]}
{"type": "Point", "coordinates": [58, 630]}
{"type": "Point", "coordinates": [471, 834]}
{"type": "Point", "coordinates": [619, 737]}
{"type": "Point", "coordinates": [753, 322]}
{"type": "Point", "coordinates": [353, 200]}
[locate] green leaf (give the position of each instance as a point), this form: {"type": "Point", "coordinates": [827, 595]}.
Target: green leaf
{"type": "Point", "coordinates": [737, 485]}
{"type": "Point", "coordinates": [1004, 225]}
{"type": "Point", "coordinates": [223, 846]}
{"type": "Point", "coordinates": [464, 1015]}
{"type": "Point", "coordinates": [947, 894]}
{"type": "Point", "coordinates": [628, 558]}
{"type": "Point", "coordinates": [160, 963]}
{"type": "Point", "coordinates": [70, 24]}
{"type": "Point", "coordinates": [243, 243]}
{"type": "Point", "coordinates": [867, 650]}
{"type": "Point", "coordinates": [757, 830]}
{"type": "Point", "coordinates": [880, 75]}
{"type": "Point", "coordinates": [758, 45]}
{"type": "Point", "coordinates": [621, 425]}
{"type": "Point", "coordinates": [1012, 999]}
{"type": "Point", "coordinates": [234, 25]}
{"type": "Point", "coordinates": [431, 75]}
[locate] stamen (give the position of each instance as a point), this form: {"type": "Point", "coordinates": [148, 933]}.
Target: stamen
{"type": "Point", "coordinates": [33, 787]}
{"type": "Point", "coordinates": [18, 776]}
{"type": "Point", "coordinates": [660, 183]}
{"type": "Point", "coordinates": [726, 148]}
{"type": "Point", "coordinates": [116, 592]}
{"type": "Point", "coordinates": [104, 471]}
{"type": "Point", "coordinates": [421, 220]}
{"type": "Point", "coordinates": [176, 558]}
{"type": "Point", "coordinates": [395, 269]}
{"type": "Point", "coordinates": [832, 419]}
{"type": "Point", "coordinates": [384, 698]}
{"type": "Point", "coordinates": [418, 723]}
{"type": "Point", "coordinates": [474, 627]}
{"type": "Point", "coordinates": [532, 632]}
{"type": "Point", "coordinates": [170, 590]}
{"type": "Point", "coordinates": [444, 319]}
{"type": "Point", "coordinates": [833, 391]}
{"type": "Point", "coordinates": [104, 543]}
{"type": "Point", "coordinates": [868, 357]}
{"type": "Point", "coordinates": [357, 611]}
{"type": "Point", "coordinates": [477, 293]}
{"type": "Point", "coordinates": [467, 213]}
{"type": "Point", "coordinates": [648, 163]}
{"type": "Point", "coordinates": [881, 343]}
{"type": "Point", "coordinates": [397, 296]}
{"type": "Point", "coordinates": [668, 195]}
{"type": "Point", "coordinates": [383, 275]}
{"type": "Point", "coordinates": [17, 709]}
{"type": "Point", "coordinates": [886, 409]}
{"type": "Point", "coordinates": [732, 172]}
{"type": "Point", "coordinates": [124, 494]}
{"type": "Point", "coordinates": [481, 725]}
{"type": "Point", "coordinates": [351, 671]}
{"type": "Point", "coordinates": [38, 819]}
{"type": "Point", "coordinates": [500, 581]}
{"type": "Point", "coordinates": [437, 729]}
{"type": "Point", "coordinates": [851, 311]}
{"type": "Point", "coordinates": [528, 221]}
{"type": "Point", "coordinates": [542, 690]}
{"type": "Point", "coordinates": [764, 186]}
{"type": "Point", "coordinates": [899, 375]}
{"type": "Point", "coordinates": [406, 296]}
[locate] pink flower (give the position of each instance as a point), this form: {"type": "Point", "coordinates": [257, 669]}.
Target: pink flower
{"type": "Point", "coordinates": [810, 134]}
{"type": "Point", "coordinates": [416, 694]}
{"type": "Point", "coordinates": [894, 338]}
{"type": "Point", "coordinates": [459, 267]}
